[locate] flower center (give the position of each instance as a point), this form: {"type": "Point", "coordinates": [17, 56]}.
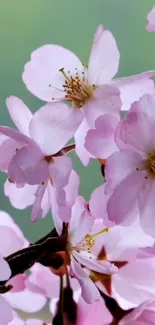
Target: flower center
{"type": "Point", "coordinates": [76, 88]}
{"type": "Point", "coordinates": [88, 242]}
{"type": "Point", "coordinates": [149, 164]}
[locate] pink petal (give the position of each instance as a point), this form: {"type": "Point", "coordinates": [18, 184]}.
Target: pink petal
{"type": "Point", "coordinates": [7, 221]}
{"type": "Point", "coordinates": [34, 321]}
{"type": "Point", "coordinates": [20, 198]}
{"type": "Point", "coordinates": [151, 21]}
{"type": "Point", "coordinates": [119, 165]}
{"type": "Point", "coordinates": [128, 189]}
{"type": "Point", "coordinates": [146, 104]}
{"type": "Point", "coordinates": [26, 300]}
{"type": "Point", "coordinates": [44, 281]}
{"type": "Point", "coordinates": [89, 291]}
{"type": "Point", "coordinates": [79, 136]}
{"type": "Point", "coordinates": [58, 223]}
{"type": "Point", "coordinates": [54, 125]}
{"type": "Point", "coordinates": [93, 314]}
{"type": "Point", "coordinates": [42, 76]}
{"type": "Point", "coordinates": [60, 172]}
{"type": "Point", "coordinates": [131, 286]}
{"type": "Point", "coordinates": [7, 149]}
{"type": "Point", "coordinates": [15, 173]}
{"type": "Point", "coordinates": [120, 137]}
{"type": "Point", "coordinates": [105, 99]}
{"type": "Point", "coordinates": [6, 314]}
{"type": "Point", "coordinates": [98, 205]}
{"type": "Point", "coordinates": [17, 321]}
{"type": "Point", "coordinates": [93, 264]}
{"type": "Point", "coordinates": [132, 88]}
{"type": "Point", "coordinates": [5, 271]}
{"type": "Point", "coordinates": [147, 208]}
{"type": "Point", "coordinates": [20, 114]}
{"type": "Point", "coordinates": [18, 282]}
{"type": "Point", "coordinates": [30, 163]}
{"type": "Point", "coordinates": [81, 222]}
{"type": "Point", "coordinates": [37, 209]}
{"type": "Point", "coordinates": [17, 136]}
{"type": "Point", "coordinates": [71, 192]}
{"type": "Point", "coordinates": [100, 142]}
{"type": "Point", "coordinates": [139, 129]}
{"type": "Point", "coordinates": [104, 58]}
{"type": "Point", "coordinates": [13, 243]}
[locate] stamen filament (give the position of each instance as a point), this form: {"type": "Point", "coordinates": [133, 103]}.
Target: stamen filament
{"type": "Point", "coordinates": [63, 72]}
{"type": "Point", "coordinates": [100, 232]}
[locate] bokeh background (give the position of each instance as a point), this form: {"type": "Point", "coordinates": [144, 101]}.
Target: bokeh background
{"type": "Point", "coordinates": [26, 25]}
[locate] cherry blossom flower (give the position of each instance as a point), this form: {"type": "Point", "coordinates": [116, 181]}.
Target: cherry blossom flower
{"type": "Point", "coordinates": [130, 171]}
{"type": "Point", "coordinates": [55, 73]}
{"type": "Point", "coordinates": [121, 246]}
{"type": "Point", "coordinates": [151, 21]}
{"type": "Point", "coordinates": [19, 297]}
{"type": "Point", "coordinates": [79, 248]}
{"type": "Point", "coordinates": [36, 153]}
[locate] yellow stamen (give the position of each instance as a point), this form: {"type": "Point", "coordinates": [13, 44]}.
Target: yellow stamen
{"type": "Point", "coordinates": [100, 232]}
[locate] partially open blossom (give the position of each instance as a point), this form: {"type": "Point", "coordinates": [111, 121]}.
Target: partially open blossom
{"type": "Point", "coordinates": [37, 149]}
{"type": "Point", "coordinates": [151, 21]}
{"type": "Point", "coordinates": [120, 245]}
{"type": "Point", "coordinates": [55, 73]}
{"type": "Point", "coordinates": [130, 171]}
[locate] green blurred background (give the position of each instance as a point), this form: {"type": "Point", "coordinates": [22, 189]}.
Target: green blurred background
{"type": "Point", "coordinates": [26, 25]}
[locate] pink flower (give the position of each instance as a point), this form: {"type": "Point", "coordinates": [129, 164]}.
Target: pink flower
{"type": "Point", "coordinates": [79, 249]}
{"type": "Point", "coordinates": [55, 73]}
{"type": "Point", "coordinates": [120, 245]}
{"type": "Point", "coordinates": [144, 314]}
{"type": "Point", "coordinates": [36, 150]}
{"type": "Point", "coordinates": [151, 21]}
{"type": "Point", "coordinates": [19, 297]}
{"type": "Point", "coordinates": [130, 171]}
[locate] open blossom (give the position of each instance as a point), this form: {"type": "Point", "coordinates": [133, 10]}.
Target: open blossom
{"type": "Point", "coordinates": [130, 171]}
{"type": "Point", "coordinates": [79, 249]}
{"type": "Point", "coordinates": [19, 297]}
{"type": "Point", "coordinates": [151, 21]}
{"type": "Point", "coordinates": [35, 154]}
{"type": "Point", "coordinates": [55, 73]}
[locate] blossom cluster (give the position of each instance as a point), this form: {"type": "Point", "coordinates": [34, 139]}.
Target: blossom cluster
{"type": "Point", "coordinates": [97, 266]}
